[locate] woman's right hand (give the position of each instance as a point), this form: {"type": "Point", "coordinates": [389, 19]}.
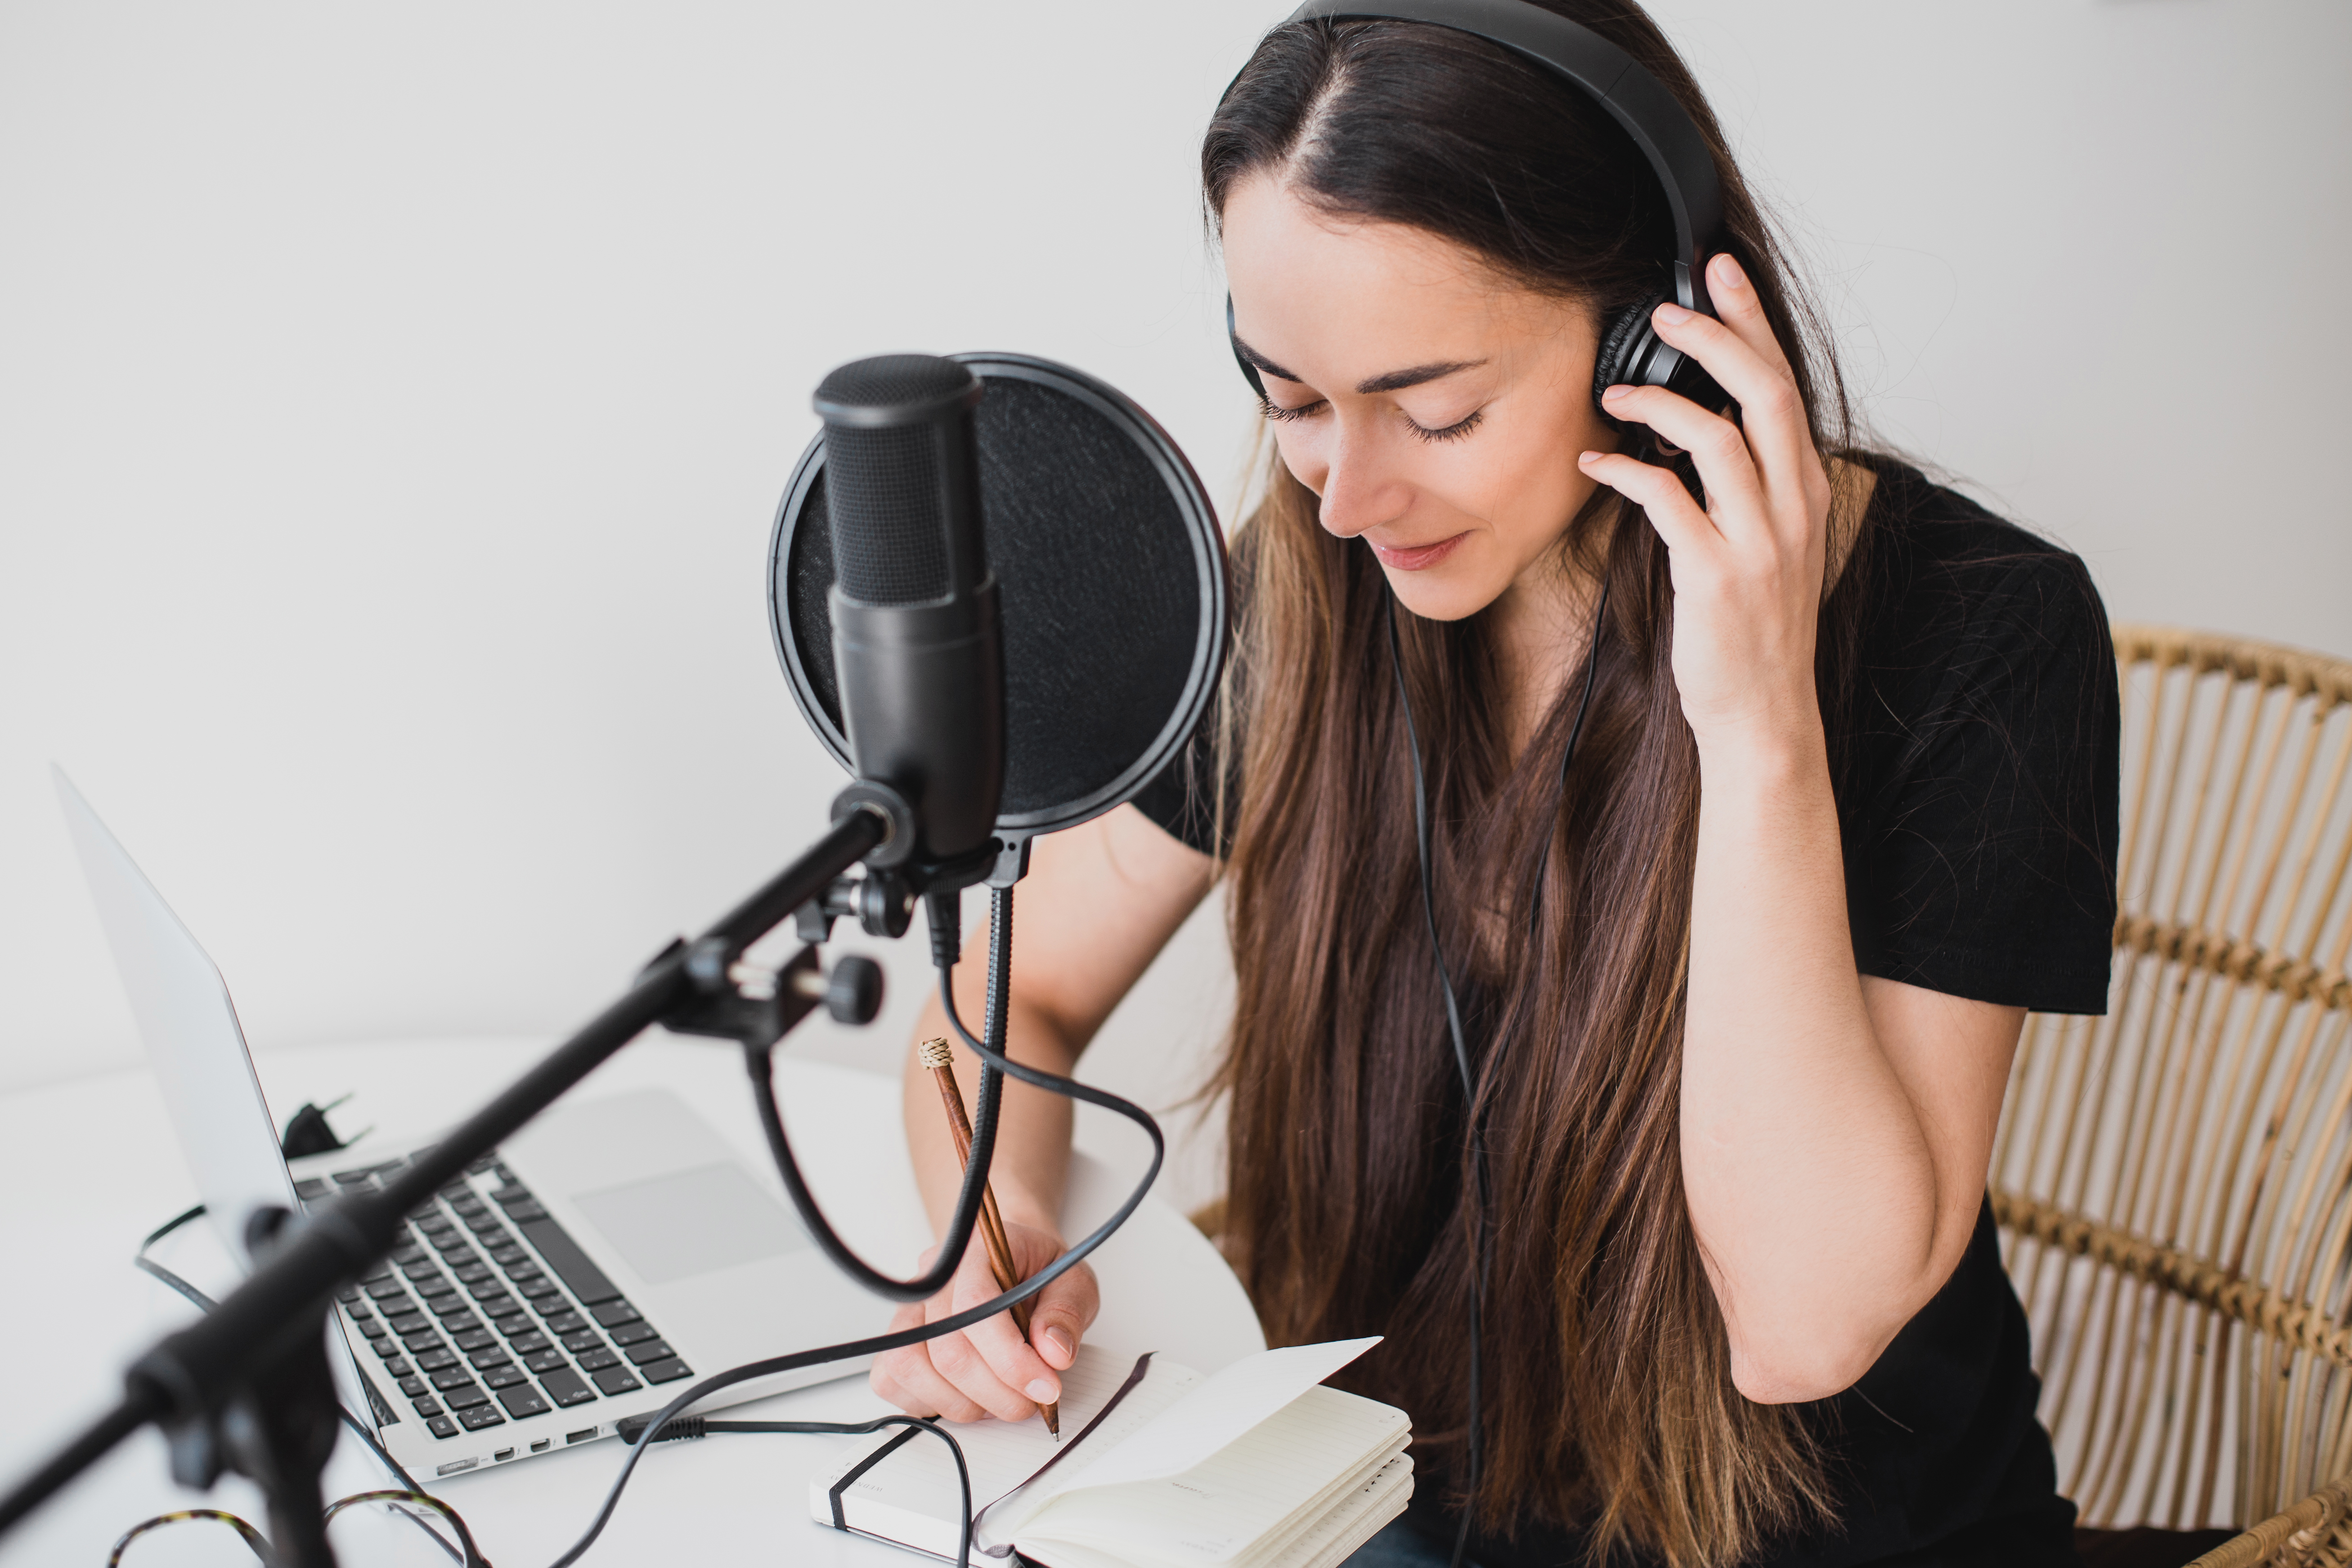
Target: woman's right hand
{"type": "Point", "coordinates": [989, 1369]}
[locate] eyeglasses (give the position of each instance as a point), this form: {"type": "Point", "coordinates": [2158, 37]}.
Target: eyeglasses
{"type": "Point", "coordinates": [370, 1530]}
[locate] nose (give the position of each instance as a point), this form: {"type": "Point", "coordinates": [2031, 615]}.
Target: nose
{"type": "Point", "coordinates": [1360, 487]}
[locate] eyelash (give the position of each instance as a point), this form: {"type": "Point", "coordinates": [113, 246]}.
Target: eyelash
{"type": "Point", "coordinates": [1454, 432]}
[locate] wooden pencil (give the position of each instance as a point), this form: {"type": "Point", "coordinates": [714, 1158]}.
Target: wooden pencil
{"type": "Point", "coordinates": [935, 1055]}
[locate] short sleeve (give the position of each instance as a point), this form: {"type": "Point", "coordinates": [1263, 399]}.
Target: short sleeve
{"type": "Point", "coordinates": [1981, 837]}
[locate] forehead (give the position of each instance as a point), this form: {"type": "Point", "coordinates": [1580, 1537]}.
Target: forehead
{"type": "Point", "coordinates": [1344, 298]}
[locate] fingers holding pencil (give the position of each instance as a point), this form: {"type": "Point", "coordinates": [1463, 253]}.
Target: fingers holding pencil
{"type": "Point", "coordinates": [1068, 1305]}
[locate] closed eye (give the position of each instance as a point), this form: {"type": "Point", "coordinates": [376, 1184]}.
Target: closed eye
{"type": "Point", "coordinates": [1274, 409]}
{"type": "Point", "coordinates": [1454, 432]}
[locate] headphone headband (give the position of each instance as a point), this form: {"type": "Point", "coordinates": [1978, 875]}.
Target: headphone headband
{"type": "Point", "coordinates": [1678, 154]}
{"type": "Point", "coordinates": [1634, 98]}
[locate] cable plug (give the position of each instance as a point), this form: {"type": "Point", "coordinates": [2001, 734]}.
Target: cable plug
{"type": "Point", "coordinates": [683, 1429]}
{"type": "Point", "coordinates": [307, 1131]}
{"type": "Point", "coordinates": [943, 907]}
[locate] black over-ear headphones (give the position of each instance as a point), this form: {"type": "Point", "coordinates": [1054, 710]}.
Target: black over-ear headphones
{"type": "Point", "coordinates": [1630, 353]}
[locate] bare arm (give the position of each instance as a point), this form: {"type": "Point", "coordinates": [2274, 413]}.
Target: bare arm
{"type": "Point", "coordinates": [1835, 1130]}
{"type": "Point", "coordinates": [1098, 904]}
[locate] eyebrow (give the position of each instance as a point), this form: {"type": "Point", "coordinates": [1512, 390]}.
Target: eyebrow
{"type": "Point", "coordinates": [1394, 381]}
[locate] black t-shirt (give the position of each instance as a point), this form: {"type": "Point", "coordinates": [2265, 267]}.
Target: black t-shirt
{"type": "Point", "coordinates": [1974, 762]}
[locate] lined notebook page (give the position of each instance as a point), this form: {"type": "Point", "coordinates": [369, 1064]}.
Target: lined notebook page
{"type": "Point", "coordinates": [1214, 1513]}
{"type": "Point", "coordinates": [1356, 1520]}
{"type": "Point", "coordinates": [911, 1497]}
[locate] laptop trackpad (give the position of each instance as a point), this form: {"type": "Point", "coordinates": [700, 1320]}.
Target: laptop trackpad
{"type": "Point", "coordinates": [684, 1223]}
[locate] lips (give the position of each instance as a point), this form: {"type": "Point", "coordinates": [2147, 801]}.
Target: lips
{"type": "Point", "coordinates": [1415, 558]}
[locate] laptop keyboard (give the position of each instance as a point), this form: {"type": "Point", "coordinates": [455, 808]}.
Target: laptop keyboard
{"type": "Point", "coordinates": [487, 1310]}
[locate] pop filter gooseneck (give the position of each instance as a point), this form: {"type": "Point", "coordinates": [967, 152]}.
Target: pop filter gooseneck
{"type": "Point", "coordinates": [1105, 551]}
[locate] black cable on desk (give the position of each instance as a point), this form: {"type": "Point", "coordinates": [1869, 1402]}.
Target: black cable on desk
{"type": "Point", "coordinates": [360, 1428]}
{"type": "Point", "coordinates": [990, 1052]}
{"type": "Point", "coordinates": [685, 1428]}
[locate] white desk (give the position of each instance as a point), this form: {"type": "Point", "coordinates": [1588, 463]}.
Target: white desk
{"type": "Point", "coordinates": [90, 1167]}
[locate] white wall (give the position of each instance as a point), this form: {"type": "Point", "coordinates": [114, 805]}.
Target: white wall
{"type": "Point", "coordinates": [393, 401]}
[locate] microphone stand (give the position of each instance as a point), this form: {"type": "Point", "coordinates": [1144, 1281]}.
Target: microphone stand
{"type": "Point", "coordinates": [248, 1387]}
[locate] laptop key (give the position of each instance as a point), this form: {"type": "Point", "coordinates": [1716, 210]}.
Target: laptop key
{"type": "Point", "coordinates": [668, 1371]}
{"type": "Point", "coordinates": [574, 1267]}
{"type": "Point", "coordinates": [433, 1360]}
{"type": "Point", "coordinates": [512, 1193]}
{"type": "Point", "coordinates": [450, 1377]}
{"type": "Point", "coordinates": [426, 1406]}
{"type": "Point", "coordinates": [566, 1387]}
{"type": "Point", "coordinates": [545, 1360]}
{"type": "Point", "coordinates": [386, 1347]}
{"type": "Point", "coordinates": [597, 1360]}
{"type": "Point", "coordinates": [582, 1338]}
{"type": "Point", "coordinates": [522, 1401]}
{"type": "Point", "coordinates": [348, 1294]}
{"type": "Point", "coordinates": [460, 1322]}
{"type": "Point", "coordinates": [504, 1307]}
{"type": "Point", "coordinates": [480, 1416]}
{"type": "Point", "coordinates": [512, 1258]}
{"type": "Point", "coordinates": [630, 1333]}
{"type": "Point", "coordinates": [538, 1289]}
{"type": "Point", "coordinates": [473, 1274]}
{"type": "Point", "coordinates": [407, 1323]}
{"type": "Point", "coordinates": [385, 1289]}
{"type": "Point", "coordinates": [398, 1367]}
{"type": "Point", "coordinates": [616, 1380]}
{"type": "Point", "coordinates": [505, 1376]}
{"type": "Point", "coordinates": [475, 1339]}
{"type": "Point", "coordinates": [488, 1357]}
{"type": "Point", "coordinates": [650, 1351]}
{"type": "Point", "coordinates": [423, 1343]}
{"type": "Point", "coordinates": [565, 1323]}
{"type": "Point", "coordinates": [441, 1427]}
{"type": "Point", "coordinates": [522, 1213]}
{"type": "Point", "coordinates": [464, 1397]}
{"type": "Point", "coordinates": [414, 1387]}
{"type": "Point", "coordinates": [613, 1314]}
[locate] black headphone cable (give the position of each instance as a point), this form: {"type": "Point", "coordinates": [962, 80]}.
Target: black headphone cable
{"type": "Point", "coordinates": [1482, 1240]}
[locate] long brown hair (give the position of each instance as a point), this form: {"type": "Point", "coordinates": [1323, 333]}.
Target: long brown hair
{"type": "Point", "coordinates": [1608, 1397]}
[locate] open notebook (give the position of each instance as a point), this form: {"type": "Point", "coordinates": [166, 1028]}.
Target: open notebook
{"type": "Point", "coordinates": [1256, 1466]}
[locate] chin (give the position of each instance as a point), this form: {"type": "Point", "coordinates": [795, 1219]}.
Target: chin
{"type": "Point", "coordinates": [1443, 594]}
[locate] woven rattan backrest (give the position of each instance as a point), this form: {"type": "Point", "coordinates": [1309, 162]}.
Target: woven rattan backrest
{"type": "Point", "coordinates": [2174, 1180]}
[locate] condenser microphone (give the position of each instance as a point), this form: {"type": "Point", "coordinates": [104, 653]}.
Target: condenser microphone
{"type": "Point", "coordinates": [1112, 570]}
{"type": "Point", "coordinates": [916, 639]}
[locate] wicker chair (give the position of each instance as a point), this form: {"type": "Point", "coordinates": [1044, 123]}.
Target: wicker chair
{"type": "Point", "coordinates": [2174, 1180]}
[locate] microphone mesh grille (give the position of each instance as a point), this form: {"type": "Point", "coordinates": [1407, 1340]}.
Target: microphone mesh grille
{"type": "Point", "coordinates": [894, 381]}
{"type": "Point", "coordinates": [1101, 601]}
{"type": "Point", "coordinates": [889, 524]}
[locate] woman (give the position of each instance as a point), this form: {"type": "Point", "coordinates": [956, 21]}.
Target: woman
{"type": "Point", "coordinates": [1741, 989]}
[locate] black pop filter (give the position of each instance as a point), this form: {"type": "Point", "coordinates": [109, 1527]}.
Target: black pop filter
{"type": "Point", "coordinates": [1105, 551]}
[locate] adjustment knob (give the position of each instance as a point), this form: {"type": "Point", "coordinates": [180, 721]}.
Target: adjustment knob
{"type": "Point", "coordinates": [853, 992]}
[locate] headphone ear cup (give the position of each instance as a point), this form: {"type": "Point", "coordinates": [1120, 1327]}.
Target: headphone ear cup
{"type": "Point", "coordinates": [1629, 341]}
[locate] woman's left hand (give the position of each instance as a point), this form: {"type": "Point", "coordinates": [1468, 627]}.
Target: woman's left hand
{"type": "Point", "coordinates": [1746, 569]}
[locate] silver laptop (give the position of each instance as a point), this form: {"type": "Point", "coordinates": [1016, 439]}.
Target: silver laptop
{"type": "Point", "coordinates": [611, 1250]}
